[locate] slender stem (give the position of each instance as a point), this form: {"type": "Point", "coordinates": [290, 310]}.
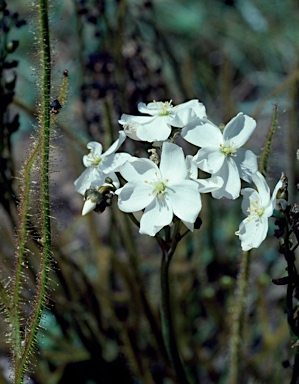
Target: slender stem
{"type": "Point", "coordinates": [166, 314]}
{"type": "Point", "coordinates": [238, 320]}
{"type": "Point", "coordinates": [45, 123]}
{"type": "Point", "coordinates": [291, 292]}
{"type": "Point", "coordinates": [264, 157]}
{"type": "Point", "coordinates": [23, 210]}
{"type": "Point", "coordinates": [128, 240]}
{"type": "Point", "coordinates": [295, 375]}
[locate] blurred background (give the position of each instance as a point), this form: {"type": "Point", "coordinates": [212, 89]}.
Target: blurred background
{"type": "Point", "coordinates": [102, 320]}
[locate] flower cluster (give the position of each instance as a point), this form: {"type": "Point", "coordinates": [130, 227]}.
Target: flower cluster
{"type": "Point", "coordinates": [166, 185]}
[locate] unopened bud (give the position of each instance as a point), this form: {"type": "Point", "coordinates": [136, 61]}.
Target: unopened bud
{"type": "Point", "coordinates": [283, 191]}
{"type": "Point", "coordinates": [88, 206]}
{"type": "Point", "coordinates": [92, 198]}
{"type": "Point", "coordinates": [98, 199]}
{"type": "Point", "coordinates": [108, 180]}
{"type": "Point", "coordinates": [12, 46]}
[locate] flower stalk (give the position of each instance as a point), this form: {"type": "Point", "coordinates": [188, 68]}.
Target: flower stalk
{"type": "Point", "coordinates": [264, 158]}
{"type": "Point", "coordinates": [166, 313]}
{"type": "Point", "coordinates": [238, 319]}
{"type": "Point", "coordinates": [23, 341]}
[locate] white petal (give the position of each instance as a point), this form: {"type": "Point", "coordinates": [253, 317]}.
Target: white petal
{"type": "Point", "coordinates": [173, 165]}
{"type": "Point", "coordinates": [113, 163]}
{"type": "Point", "coordinates": [249, 195]}
{"type": "Point", "coordinates": [95, 148]}
{"type": "Point", "coordinates": [125, 119]}
{"type": "Point", "coordinates": [186, 112]}
{"type": "Point", "coordinates": [95, 152]}
{"type": "Point", "coordinates": [232, 184]}
{"type": "Point", "coordinates": [134, 197]}
{"type": "Point", "coordinates": [200, 111]}
{"type": "Point", "coordinates": [187, 105]}
{"type": "Point", "coordinates": [209, 159]}
{"type": "Point", "coordinates": [93, 177]}
{"type": "Point", "coordinates": [189, 225]}
{"type": "Point", "coordinates": [150, 108]}
{"type": "Point", "coordinates": [194, 105]}
{"type": "Point", "coordinates": [158, 129]}
{"type": "Point", "coordinates": [185, 200]}
{"type": "Point", "coordinates": [157, 215]}
{"type": "Point", "coordinates": [252, 233]}
{"type": "Point", "coordinates": [130, 126]}
{"type": "Point", "coordinates": [273, 198]}
{"type": "Point", "coordinates": [140, 170]}
{"type": "Point", "coordinates": [183, 118]}
{"type": "Point", "coordinates": [203, 133]}
{"type": "Point", "coordinates": [114, 147]}
{"type": "Point", "coordinates": [239, 129]}
{"type": "Point", "coordinates": [262, 187]}
{"type": "Point", "coordinates": [88, 178]}
{"type": "Point", "coordinates": [246, 162]}
{"type": "Point", "coordinates": [211, 184]}
{"type": "Point", "coordinates": [191, 167]}
{"type": "Point", "coordinates": [143, 128]}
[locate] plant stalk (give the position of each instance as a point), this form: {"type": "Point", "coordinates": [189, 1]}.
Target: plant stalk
{"type": "Point", "coordinates": [166, 314]}
{"type": "Point", "coordinates": [238, 319]}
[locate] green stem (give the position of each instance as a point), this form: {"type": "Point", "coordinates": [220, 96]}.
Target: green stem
{"type": "Point", "coordinates": [290, 294]}
{"type": "Point", "coordinates": [45, 123]}
{"type": "Point", "coordinates": [295, 375]}
{"type": "Point", "coordinates": [130, 246]}
{"type": "Point", "coordinates": [20, 254]}
{"type": "Point", "coordinates": [166, 314]}
{"type": "Point", "coordinates": [238, 320]}
{"type": "Point", "coordinates": [264, 158]}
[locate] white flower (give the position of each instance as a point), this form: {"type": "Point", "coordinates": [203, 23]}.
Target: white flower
{"type": "Point", "coordinates": [258, 206]}
{"type": "Point", "coordinates": [163, 115]}
{"type": "Point", "coordinates": [101, 165]}
{"type": "Point", "coordinates": [161, 192]}
{"type": "Point", "coordinates": [221, 155]}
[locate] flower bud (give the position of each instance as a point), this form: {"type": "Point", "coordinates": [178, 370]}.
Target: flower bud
{"type": "Point", "coordinates": [12, 46]}
{"type": "Point", "coordinates": [88, 206]}
{"type": "Point", "coordinates": [283, 191]}
{"type": "Point", "coordinates": [108, 180]}
{"type": "Point", "coordinates": [91, 199]}
{"type": "Point", "coordinates": [98, 199]}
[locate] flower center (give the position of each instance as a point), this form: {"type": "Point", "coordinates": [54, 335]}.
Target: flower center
{"type": "Point", "coordinates": [228, 150]}
{"type": "Point", "coordinates": [96, 160]}
{"type": "Point", "coordinates": [159, 188]}
{"type": "Point", "coordinates": [164, 108]}
{"type": "Point", "coordinates": [255, 210]}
